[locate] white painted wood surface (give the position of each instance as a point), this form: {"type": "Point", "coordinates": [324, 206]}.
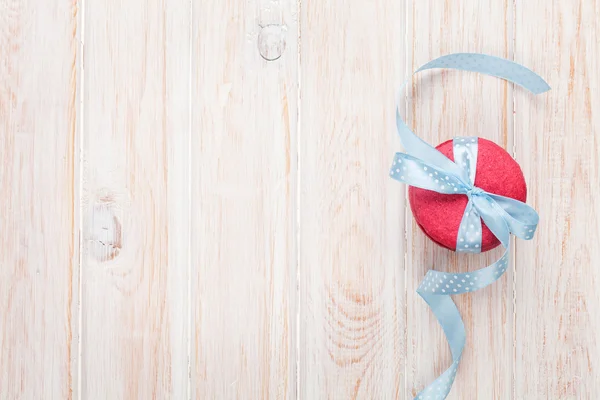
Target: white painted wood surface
{"type": "Point", "coordinates": [556, 141]}
{"type": "Point", "coordinates": [244, 162]}
{"type": "Point", "coordinates": [39, 199]}
{"type": "Point", "coordinates": [135, 195]}
{"type": "Point", "coordinates": [195, 203]}
{"type": "Point", "coordinates": [351, 308]}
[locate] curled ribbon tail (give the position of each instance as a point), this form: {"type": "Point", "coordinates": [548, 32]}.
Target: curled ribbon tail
{"type": "Point", "coordinates": [449, 319]}
{"type": "Point", "coordinates": [425, 167]}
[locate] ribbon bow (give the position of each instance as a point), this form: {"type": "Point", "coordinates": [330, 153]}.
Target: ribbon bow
{"type": "Point", "coordinates": [425, 167]}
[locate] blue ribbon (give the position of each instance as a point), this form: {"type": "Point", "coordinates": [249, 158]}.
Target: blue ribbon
{"type": "Point", "coordinates": [425, 167]}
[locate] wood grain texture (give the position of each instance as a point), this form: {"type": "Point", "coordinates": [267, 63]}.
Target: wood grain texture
{"type": "Point", "coordinates": [556, 136]}
{"type": "Point", "coordinates": [351, 213]}
{"type": "Point", "coordinates": [244, 160]}
{"type": "Point", "coordinates": [136, 196]}
{"type": "Point", "coordinates": [227, 162]}
{"type": "Point", "coordinates": [39, 199]}
{"type": "Point", "coordinates": [442, 105]}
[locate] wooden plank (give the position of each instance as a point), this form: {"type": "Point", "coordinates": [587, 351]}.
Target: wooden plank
{"type": "Point", "coordinates": [352, 317]}
{"type": "Point", "coordinates": [556, 138]}
{"type": "Point", "coordinates": [243, 193]}
{"type": "Point", "coordinates": [136, 195]}
{"type": "Point", "coordinates": [442, 105]}
{"type": "Point", "coordinates": [39, 201]}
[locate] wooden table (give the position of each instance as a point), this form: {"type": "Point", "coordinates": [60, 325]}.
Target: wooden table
{"type": "Point", "coordinates": [195, 200]}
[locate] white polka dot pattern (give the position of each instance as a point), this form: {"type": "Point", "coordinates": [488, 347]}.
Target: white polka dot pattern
{"type": "Point", "coordinates": [427, 168]}
{"type": "Point", "coordinates": [522, 221]}
{"type": "Point", "coordinates": [440, 388]}
{"type": "Point", "coordinates": [418, 173]}
{"type": "Point", "coordinates": [469, 231]}
{"type": "Point", "coordinates": [493, 66]}
{"type": "Point", "coordinates": [437, 282]}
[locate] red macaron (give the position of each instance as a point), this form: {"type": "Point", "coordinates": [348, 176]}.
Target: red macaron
{"type": "Point", "coordinates": [439, 215]}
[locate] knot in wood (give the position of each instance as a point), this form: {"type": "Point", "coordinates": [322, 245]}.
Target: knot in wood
{"type": "Point", "coordinates": [271, 42]}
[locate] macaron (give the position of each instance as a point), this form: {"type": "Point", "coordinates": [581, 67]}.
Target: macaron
{"type": "Point", "coordinates": [439, 215]}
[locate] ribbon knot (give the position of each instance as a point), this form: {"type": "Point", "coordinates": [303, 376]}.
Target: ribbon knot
{"type": "Point", "coordinates": [474, 191]}
{"type": "Point", "coordinates": [425, 167]}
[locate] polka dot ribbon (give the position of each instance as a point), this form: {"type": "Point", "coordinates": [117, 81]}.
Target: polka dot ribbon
{"type": "Point", "coordinates": [425, 167]}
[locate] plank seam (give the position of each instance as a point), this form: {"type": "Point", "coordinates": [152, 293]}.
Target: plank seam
{"type": "Point", "coordinates": [514, 250]}
{"type": "Point", "coordinates": [189, 207]}
{"type": "Point", "coordinates": [298, 190]}
{"type": "Point", "coordinates": [407, 217]}
{"type": "Point", "coordinates": [81, 114]}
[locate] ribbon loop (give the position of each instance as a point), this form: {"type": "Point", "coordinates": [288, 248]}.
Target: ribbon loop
{"type": "Point", "coordinates": [425, 167]}
{"type": "Point", "coordinates": [419, 173]}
